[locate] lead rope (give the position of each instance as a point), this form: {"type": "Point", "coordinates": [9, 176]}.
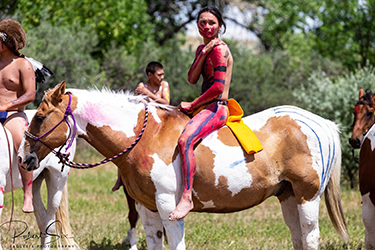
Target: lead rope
{"type": "Point", "coordinates": [65, 160]}
{"type": "Point", "coordinates": [11, 177]}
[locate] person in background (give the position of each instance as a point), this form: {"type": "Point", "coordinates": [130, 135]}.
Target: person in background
{"type": "Point", "coordinates": [156, 90]}
{"type": "Point", "coordinates": [17, 89]}
{"type": "Point", "coordinates": [213, 60]}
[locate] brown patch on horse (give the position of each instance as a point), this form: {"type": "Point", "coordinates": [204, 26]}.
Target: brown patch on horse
{"type": "Point", "coordinates": [226, 136]}
{"type": "Point", "coordinates": [367, 170]}
{"type": "Point", "coordinates": [292, 155]}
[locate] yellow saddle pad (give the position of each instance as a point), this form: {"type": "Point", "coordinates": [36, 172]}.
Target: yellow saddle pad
{"type": "Point", "coordinates": [248, 140]}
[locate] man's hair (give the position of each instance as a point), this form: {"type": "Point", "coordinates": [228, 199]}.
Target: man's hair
{"type": "Point", "coordinates": [13, 36]}
{"type": "Point", "coordinates": [152, 67]}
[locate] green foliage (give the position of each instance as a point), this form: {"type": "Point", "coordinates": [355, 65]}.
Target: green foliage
{"type": "Point", "coordinates": [124, 22]}
{"type": "Point", "coordinates": [61, 50]}
{"type": "Point", "coordinates": [347, 33]}
{"type": "Point", "coordinates": [334, 99]}
{"type": "Point", "coordinates": [268, 79]}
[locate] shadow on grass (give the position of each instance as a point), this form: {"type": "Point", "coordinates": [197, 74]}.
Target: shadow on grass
{"type": "Point", "coordinates": [107, 244]}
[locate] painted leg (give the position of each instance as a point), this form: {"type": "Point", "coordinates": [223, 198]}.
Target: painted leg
{"type": "Point", "coordinates": [151, 222]}
{"type": "Point", "coordinates": [212, 117]}
{"type": "Point", "coordinates": [291, 218]}
{"type": "Point", "coordinates": [188, 163]}
{"type": "Point", "coordinates": [368, 218]}
{"type": "Point", "coordinates": [131, 237]}
{"type": "Point", "coordinates": [309, 220]}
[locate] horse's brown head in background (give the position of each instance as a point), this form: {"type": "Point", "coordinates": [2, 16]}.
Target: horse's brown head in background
{"type": "Point", "coordinates": [363, 117]}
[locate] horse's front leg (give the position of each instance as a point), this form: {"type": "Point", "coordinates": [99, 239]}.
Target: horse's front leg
{"type": "Point", "coordinates": [131, 237]}
{"type": "Point", "coordinates": [153, 226]}
{"type": "Point", "coordinates": [175, 230]}
{"type": "Point", "coordinates": [368, 218]}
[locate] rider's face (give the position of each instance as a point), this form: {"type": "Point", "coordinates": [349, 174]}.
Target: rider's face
{"type": "Point", "coordinates": [208, 25]}
{"type": "Point", "coordinates": [158, 76]}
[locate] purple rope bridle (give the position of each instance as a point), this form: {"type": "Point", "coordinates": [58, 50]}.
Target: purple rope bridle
{"type": "Point", "coordinates": [64, 158]}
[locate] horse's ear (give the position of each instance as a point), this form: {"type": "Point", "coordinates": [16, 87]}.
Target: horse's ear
{"type": "Point", "coordinates": [361, 93]}
{"type": "Point", "coordinates": [58, 91]}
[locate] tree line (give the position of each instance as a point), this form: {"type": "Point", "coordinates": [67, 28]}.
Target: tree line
{"type": "Point", "coordinates": [313, 54]}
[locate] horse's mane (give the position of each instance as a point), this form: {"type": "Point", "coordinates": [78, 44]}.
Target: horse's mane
{"type": "Point", "coordinates": [127, 96]}
{"type": "Point", "coordinates": [368, 97]}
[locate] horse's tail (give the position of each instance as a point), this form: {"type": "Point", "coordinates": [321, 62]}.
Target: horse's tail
{"type": "Point", "coordinates": [333, 199]}
{"type": "Point", "coordinates": [63, 228]}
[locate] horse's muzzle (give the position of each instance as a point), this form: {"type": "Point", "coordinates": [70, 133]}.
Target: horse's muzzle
{"type": "Point", "coordinates": [355, 143]}
{"type": "Point", "coordinates": [30, 162]}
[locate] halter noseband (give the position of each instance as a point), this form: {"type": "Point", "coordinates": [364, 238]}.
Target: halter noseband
{"type": "Point", "coordinates": [64, 157]}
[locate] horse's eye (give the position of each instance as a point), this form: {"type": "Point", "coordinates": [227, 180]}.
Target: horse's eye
{"type": "Point", "coordinates": [39, 117]}
{"type": "Point", "coordinates": [370, 113]}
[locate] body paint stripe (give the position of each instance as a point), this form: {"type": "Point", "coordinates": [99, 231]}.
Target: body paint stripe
{"type": "Point", "coordinates": [220, 80]}
{"type": "Point", "coordinates": [221, 68]}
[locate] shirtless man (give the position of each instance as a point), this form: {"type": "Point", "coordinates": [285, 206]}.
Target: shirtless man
{"type": "Point", "coordinates": [17, 89]}
{"type": "Point", "coordinates": [156, 90]}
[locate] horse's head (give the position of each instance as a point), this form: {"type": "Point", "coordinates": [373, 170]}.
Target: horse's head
{"type": "Point", "coordinates": [48, 129]}
{"type": "Point", "coordinates": [363, 117]}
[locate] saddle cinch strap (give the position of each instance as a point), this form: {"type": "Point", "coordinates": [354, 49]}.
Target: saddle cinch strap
{"type": "Point", "coordinates": [248, 140]}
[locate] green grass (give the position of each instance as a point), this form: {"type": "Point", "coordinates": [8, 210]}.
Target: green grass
{"type": "Point", "coordinates": [98, 218]}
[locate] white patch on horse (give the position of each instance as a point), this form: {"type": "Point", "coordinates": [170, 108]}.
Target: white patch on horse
{"type": "Point", "coordinates": [168, 182]}
{"type": "Point", "coordinates": [154, 113]}
{"type": "Point", "coordinates": [232, 168]}
{"type": "Point", "coordinates": [97, 108]}
{"type": "Point", "coordinates": [371, 136]}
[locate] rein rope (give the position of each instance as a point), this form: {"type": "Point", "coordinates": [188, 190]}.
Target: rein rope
{"type": "Point", "coordinates": [64, 158]}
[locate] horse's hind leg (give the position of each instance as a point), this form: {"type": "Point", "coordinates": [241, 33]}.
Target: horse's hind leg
{"type": "Point", "coordinates": [153, 226]}
{"type": "Point", "coordinates": [291, 216]}
{"type": "Point", "coordinates": [368, 217]}
{"type": "Point", "coordinates": [309, 220]}
{"type": "Point", "coordinates": [131, 237]}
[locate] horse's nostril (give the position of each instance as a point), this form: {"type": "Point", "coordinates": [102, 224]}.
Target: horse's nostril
{"type": "Point", "coordinates": [355, 143]}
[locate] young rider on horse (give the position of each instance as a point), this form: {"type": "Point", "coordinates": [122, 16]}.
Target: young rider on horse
{"type": "Point", "coordinates": [17, 89]}
{"type": "Point", "coordinates": [213, 60]}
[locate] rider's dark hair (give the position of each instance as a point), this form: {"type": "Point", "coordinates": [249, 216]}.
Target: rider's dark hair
{"type": "Point", "coordinates": [216, 12]}
{"type": "Point", "coordinates": [152, 67]}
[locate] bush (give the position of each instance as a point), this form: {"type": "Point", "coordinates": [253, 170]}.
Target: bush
{"type": "Point", "coordinates": [335, 99]}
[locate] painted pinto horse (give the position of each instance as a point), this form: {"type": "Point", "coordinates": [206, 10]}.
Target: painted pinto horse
{"type": "Point", "coordinates": [300, 161]}
{"type": "Point", "coordinates": [56, 216]}
{"type": "Point", "coordinates": [363, 136]}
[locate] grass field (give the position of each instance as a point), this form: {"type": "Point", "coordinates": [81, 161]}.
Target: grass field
{"type": "Point", "coordinates": [98, 218]}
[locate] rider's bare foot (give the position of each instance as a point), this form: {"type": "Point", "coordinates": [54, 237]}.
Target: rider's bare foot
{"type": "Point", "coordinates": [182, 209]}
{"type": "Point", "coordinates": [28, 205]}
{"type": "Point", "coordinates": [117, 185]}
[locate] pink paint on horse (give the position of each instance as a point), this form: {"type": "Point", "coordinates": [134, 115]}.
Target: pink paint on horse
{"type": "Point", "coordinates": [363, 136]}
{"type": "Point", "coordinates": [300, 161]}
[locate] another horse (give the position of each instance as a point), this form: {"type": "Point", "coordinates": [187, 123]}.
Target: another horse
{"type": "Point", "coordinates": [363, 136]}
{"type": "Point", "coordinates": [57, 212]}
{"type": "Point", "coordinates": [300, 161]}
